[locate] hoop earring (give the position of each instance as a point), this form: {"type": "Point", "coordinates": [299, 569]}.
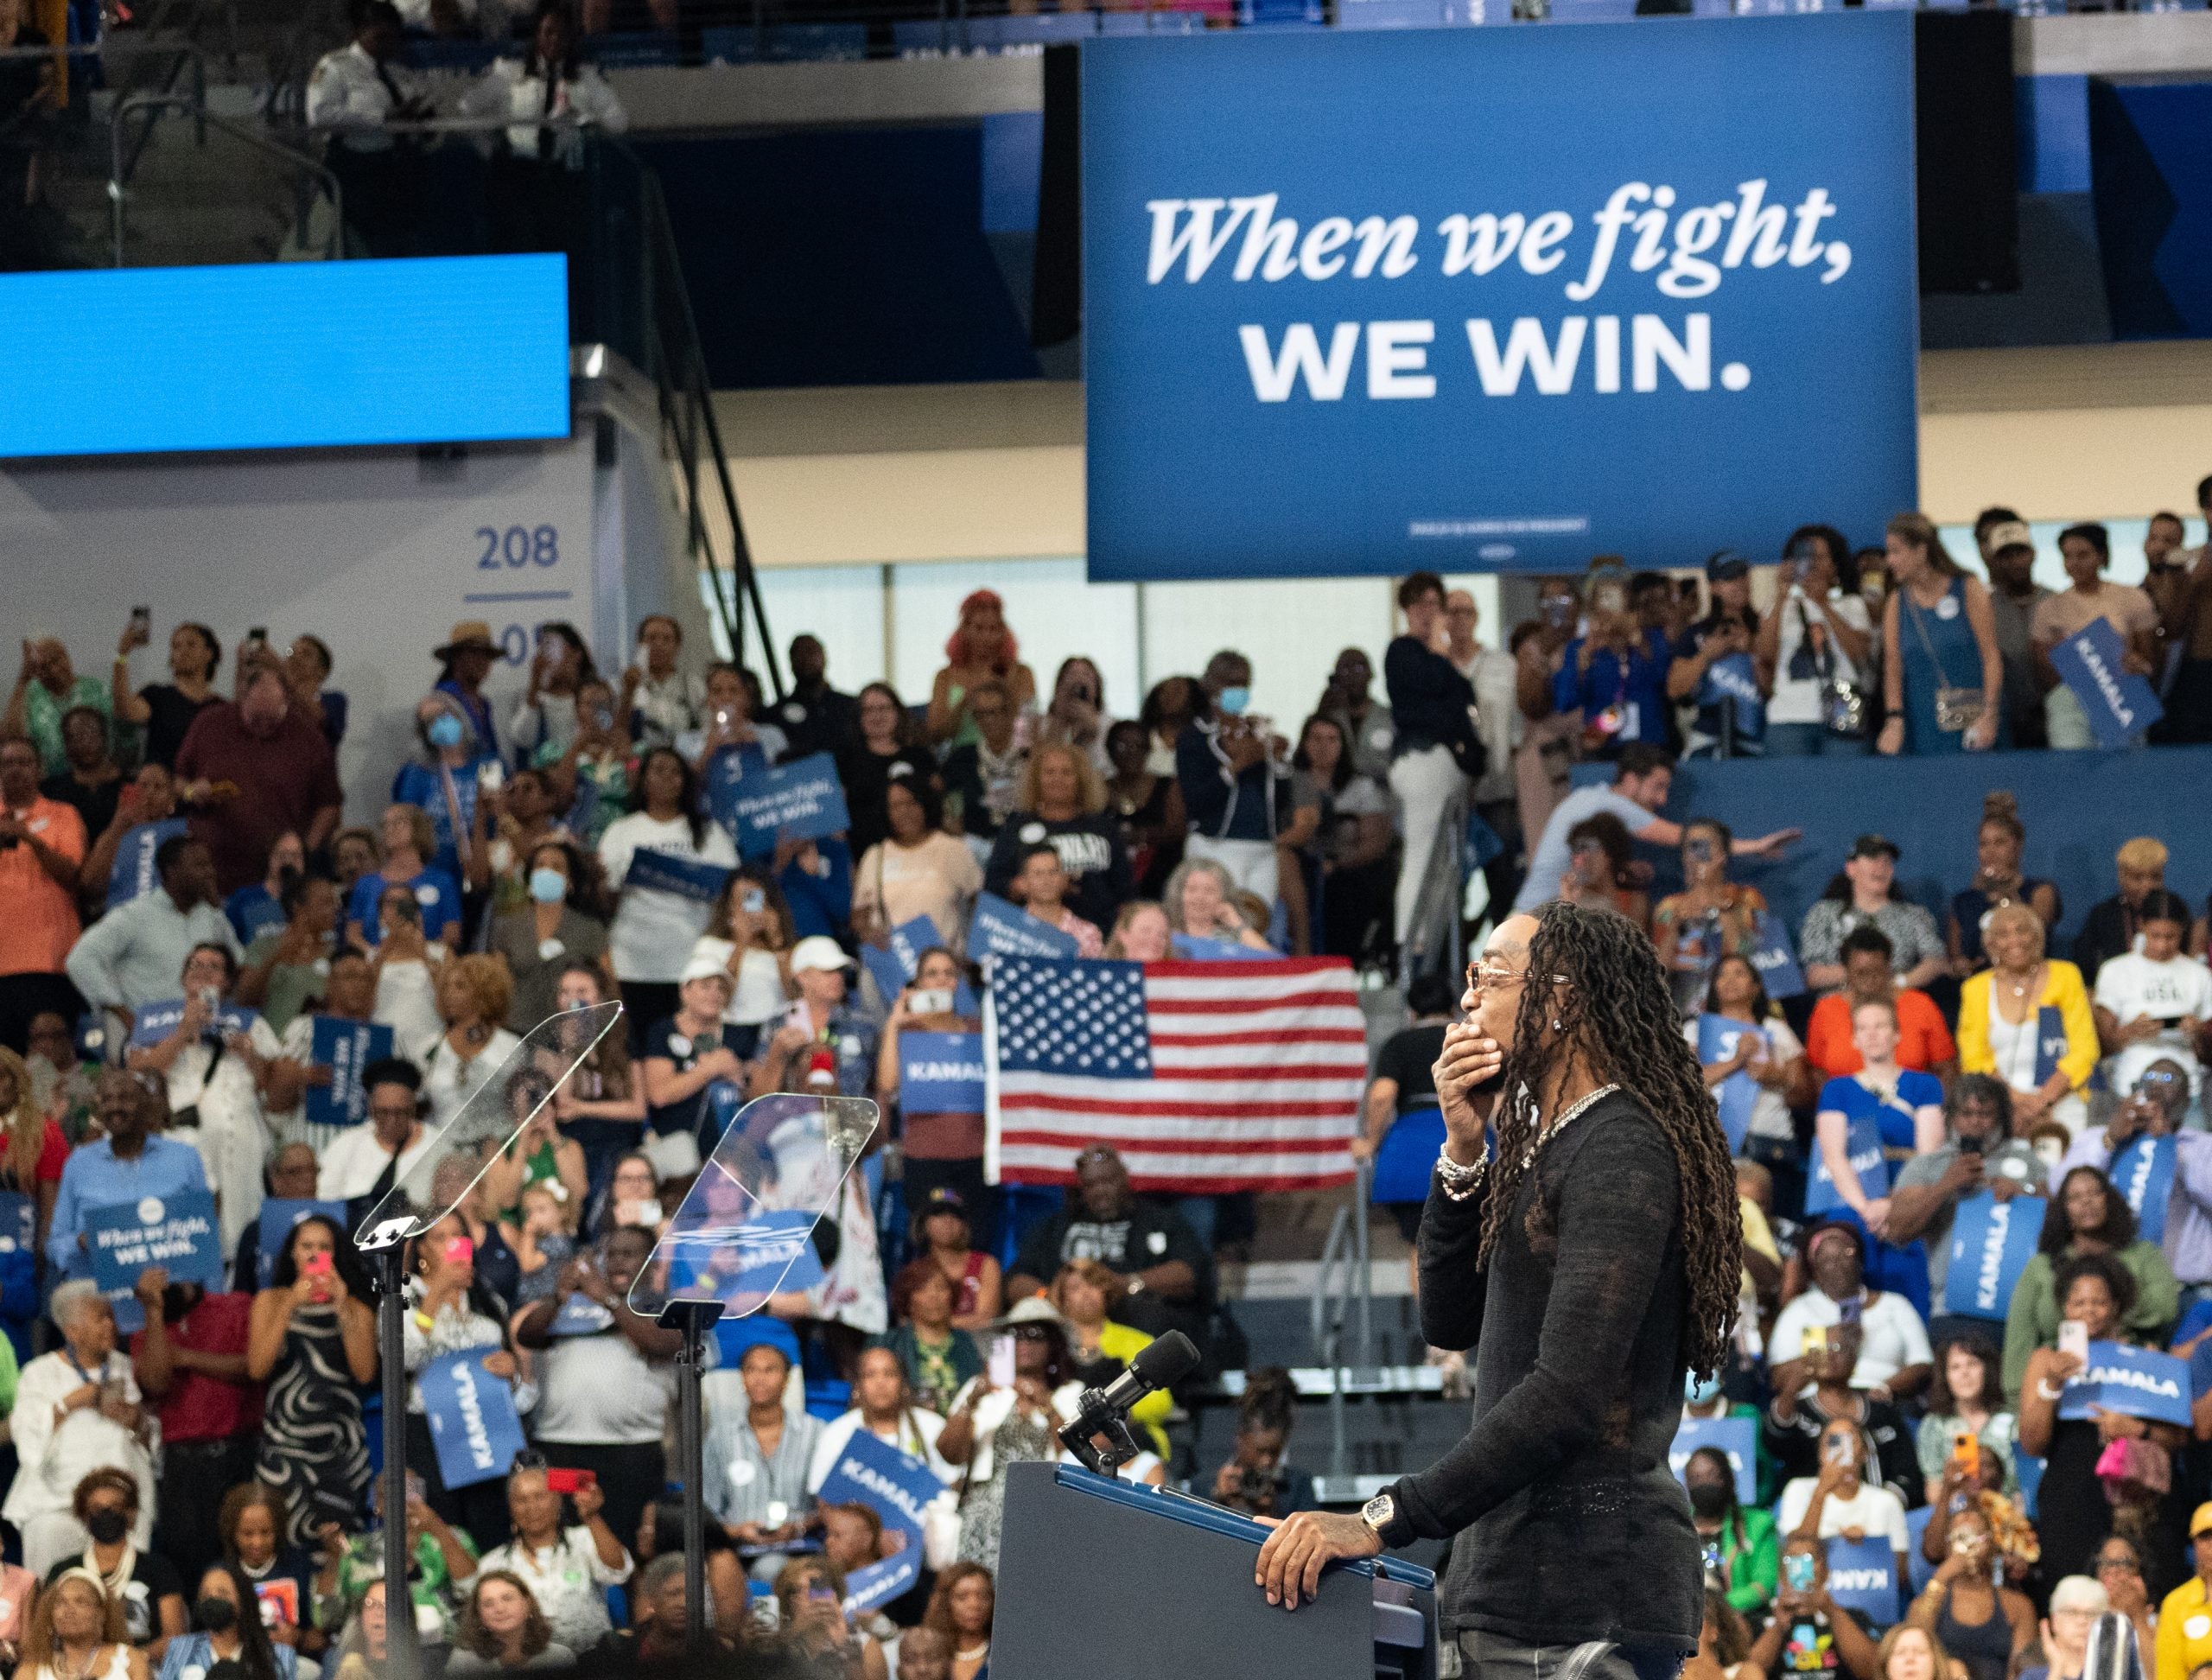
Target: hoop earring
{"type": "Point", "coordinates": [1557, 1024]}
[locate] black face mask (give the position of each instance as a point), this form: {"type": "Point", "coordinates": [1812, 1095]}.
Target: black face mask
{"type": "Point", "coordinates": [217, 1615]}
{"type": "Point", "coordinates": [107, 1526]}
{"type": "Point", "coordinates": [1708, 1498]}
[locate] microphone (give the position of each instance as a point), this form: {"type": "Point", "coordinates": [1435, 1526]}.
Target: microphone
{"type": "Point", "coordinates": [1106, 1411]}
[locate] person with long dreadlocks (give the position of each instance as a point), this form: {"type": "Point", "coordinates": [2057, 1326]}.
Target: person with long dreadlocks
{"type": "Point", "coordinates": [1587, 1265]}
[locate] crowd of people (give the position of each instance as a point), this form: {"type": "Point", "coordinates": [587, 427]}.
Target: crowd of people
{"type": "Point", "coordinates": [190, 917]}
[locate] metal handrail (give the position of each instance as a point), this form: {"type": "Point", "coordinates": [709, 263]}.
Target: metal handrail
{"type": "Point", "coordinates": [157, 102]}
{"type": "Point", "coordinates": [1442, 888]}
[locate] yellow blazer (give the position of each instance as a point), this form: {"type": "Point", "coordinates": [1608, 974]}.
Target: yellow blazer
{"type": "Point", "coordinates": [2062, 989]}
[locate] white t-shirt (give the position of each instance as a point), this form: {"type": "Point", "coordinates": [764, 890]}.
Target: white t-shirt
{"type": "Point", "coordinates": [449, 1082]}
{"type": "Point", "coordinates": [1892, 1335]}
{"type": "Point", "coordinates": [2131, 986]}
{"type": "Point", "coordinates": [1547, 864]}
{"type": "Point", "coordinates": [1873, 1510]}
{"type": "Point", "coordinates": [759, 996]}
{"type": "Point", "coordinates": [407, 1002]}
{"type": "Point", "coordinates": [1798, 699]}
{"type": "Point", "coordinates": [1770, 1113]}
{"type": "Point", "coordinates": [599, 1392]}
{"type": "Point", "coordinates": [654, 931]}
{"type": "Point", "coordinates": [355, 1160]}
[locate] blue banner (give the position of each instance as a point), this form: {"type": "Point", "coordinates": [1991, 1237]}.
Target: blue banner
{"type": "Point", "coordinates": [1775, 959]}
{"type": "Point", "coordinates": [345, 1047]}
{"type": "Point", "coordinates": [999, 929]}
{"type": "Point", "coordinates": [940, 1073]}
{"type": "Point", "coordinates": [1863, 1147]}
{"type": "Point", "coordinates": [1197, 948]}
{"type": "Point", "coordinates": [1718, 1038]}
{"type": "Point", "coordinates": [2143, 1173]}
{"type": "Point", "coordinates": [176, 1232]}
{"type": "Point", "coordinates": [894, 963]}
{"type": "Point", "coordinates": [801, 801]}
{"type": "Point", "coordinates": [1736, 1437]}
{"type": "Point", "coordinates": [2050, 1041]}
{"type": "Point", "coordinates": [1432, 343]}
{"type": "Point", "coordinates": [1863, 1576]}
{"type": "Point", "coordinates": [278, 1215]}
{"type": "Point", "coordinates": [2120, 705]}
{"type": "Point", "coordinates": [579, 1316]}
{"type": "Point", "coordinates": [693, 878]}
{"type": "Point", "coordinates": [474, 1423]}
{"type": "Point", "coordinates": [156, 1022]}
{"type": "Point", "coordinates": [2132, 1381]}
{"type": "Point", "coordinates": [726, 772]}
{"type": "Point", "coordinates": [1732, 680]}
{"type": "Point", "coordinates": [896, 1485]}
{"type": "Point", "coordinates": [132, 875]}
{"type": "Point", "coordinates": [1992, 1243]}
{"type": "Point", "coordinates": [871, 1587]}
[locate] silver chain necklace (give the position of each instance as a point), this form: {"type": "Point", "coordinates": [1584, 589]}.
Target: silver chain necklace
{"type": "Point", "coordinates": [1529, 1155]}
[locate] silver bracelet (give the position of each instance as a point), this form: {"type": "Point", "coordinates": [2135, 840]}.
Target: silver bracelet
{"type": "Point", "coordinates": [1458, 1182]}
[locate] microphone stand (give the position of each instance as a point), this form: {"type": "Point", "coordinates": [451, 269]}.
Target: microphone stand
{"type": "Point", "coordinates": [692, 1319]}
{"type": "Point", "coordinates": [404, 1660]}
{"type": "Point", "coordinates": [1096, 1416]}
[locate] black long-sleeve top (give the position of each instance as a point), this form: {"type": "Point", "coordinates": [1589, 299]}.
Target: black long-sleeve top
{"type": "Point", "coordinates": [1431, 704]}
{"type": "Point", "coordinates": [1570, 1526]}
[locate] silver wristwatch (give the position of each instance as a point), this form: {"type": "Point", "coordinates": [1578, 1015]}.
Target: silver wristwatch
{"type": "Point", "coordinates": [1378, 1513]}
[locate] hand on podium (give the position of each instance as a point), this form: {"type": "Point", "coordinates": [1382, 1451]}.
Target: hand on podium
{"type": "Point", "coordinates": [1292, 1557]}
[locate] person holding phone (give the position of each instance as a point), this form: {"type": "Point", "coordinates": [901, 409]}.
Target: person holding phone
{"type": "Point", "coordinates": [944, 1149]}
{"type": "Point", "coordinates": [311, 1339]}
{"type": "Point", "coordinates": [452, 1311]}
{"type": "Point", "coordinates": [1811, 1633]}
{"type": "Point", "coordinates": [2152, 1004]}
{"type": "Point", "coordinates": [1844, 1501]}
{"type": "Point", "coordinates": [2074, 1513]}
{"type": "Point", "coordinates": [165, 711]}
{"type": "Point", "coordinates": [1077, 715]}
{"type": "Point", "coordinates": [1817, 640]}
{"type": "Point", "coordinates": [810, 1599]}
{"type": "Point", "coordinates": [1717, 665]}
{"type": "Point", "coordinates": [567, 1568]}
{"type": "Point", "coordinates": [1967, 1607]}
{"type": "Point", "coordinates": [410, 841]}
{"type": "Point", "coordinates": [1015, 1415]}
{"type": "Point", "coordinates": [1968, 1420]}
{"type": "Point", "coordinates": [1712, 918]}
{"type": "Point", "coordinates": [765, 1449]}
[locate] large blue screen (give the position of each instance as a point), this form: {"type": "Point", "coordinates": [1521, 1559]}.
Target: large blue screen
{"type": "Point", "coordinates": [265, 356]}
{"type": "Point", "coordinates": [1495, 298]}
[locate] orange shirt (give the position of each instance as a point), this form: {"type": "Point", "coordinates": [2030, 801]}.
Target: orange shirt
{"type": "Point", "coordinates": [38, 915]}
{"type": "Point", "coordinates": [1924, 1041]}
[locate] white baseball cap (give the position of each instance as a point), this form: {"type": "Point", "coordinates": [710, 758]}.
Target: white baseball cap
{"type": "Point", "coordinates": [819, 952]}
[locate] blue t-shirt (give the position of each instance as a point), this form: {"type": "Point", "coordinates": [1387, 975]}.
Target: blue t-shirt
{"type": "Point", "coordinates": [1731, 684]}
{"type": "Point", "coordinates": [434, 890]}
{"type": "Point", "coordinates": [253, 910]}
{"type": "Point", "coordinates": [1853, 1101]}
{"type": "Point", "coordinates": [421, 785]}
{"type": "Point", "coordinates": [1637, 687]}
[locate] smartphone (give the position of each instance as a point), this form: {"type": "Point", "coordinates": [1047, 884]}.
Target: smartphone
{"type": "Point", "coordinates": [1851, 1309]}
{"type": "Point", "coordinates": [317, 1265]}
{"type": "Point", "coordinates": [934, 1000]}
{"type": "Point", "coordinates": [491, 775]}
{"type": "Point", "coordinates": [141, 621]}
{"type": "Point", "coordinates": [778, 1513]}
{"type": "Point", "coordinates": [1973, 1146]}
{"type": "Point", "coordinates": [258, 637]}
{"type": "Point", "coordinates": [570, 1482]}
{"type": "Point", "coordinates": [406, 910]}
{"type": "Point", "coordinates": [1813, 1343]}
{"type": "Point", "coordinates": [459, 1251]}
{"type": "Point", "coordinates": [999, 1366]}
{"type": "Point", "coordinates": [1838, 1451]}
{"type": "Point", "coordinates": [1797, 1571]}
{"type": "Point", "coordinates": [1965, 1452]}
{"type": "Point", "coordinates": [753, 901]}
{"type": "Point", "coordinates": [2074, 1337]}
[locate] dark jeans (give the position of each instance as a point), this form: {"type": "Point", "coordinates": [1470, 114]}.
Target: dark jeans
{"type": "Point", "coordinates": [1494, 1657]}
{"type": "Point", "coordinates": [195, 1475]}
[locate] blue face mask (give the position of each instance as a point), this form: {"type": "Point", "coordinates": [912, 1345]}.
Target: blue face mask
{"type": "Point", "coordinates": [548, 886]}
{"type": "Point", "coordinates": [1234, 700]}
{"type": "Point", "coordinates": [1700, 1394]}
{"type": "Point", "coordinates": [445, 730]}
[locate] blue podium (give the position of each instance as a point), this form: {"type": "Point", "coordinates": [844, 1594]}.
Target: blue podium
{"type": "Point", "coordinates": [1106, 1580]}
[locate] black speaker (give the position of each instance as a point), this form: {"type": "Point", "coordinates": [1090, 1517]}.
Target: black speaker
{"type": "Point", "coordinates": [1969, 207]}
{"type": "Point", "coordinates": [1056, 276]}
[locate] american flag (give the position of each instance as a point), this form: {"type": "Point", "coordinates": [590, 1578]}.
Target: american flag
{"type": "Point", "coordinates": [1206, 1076]}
